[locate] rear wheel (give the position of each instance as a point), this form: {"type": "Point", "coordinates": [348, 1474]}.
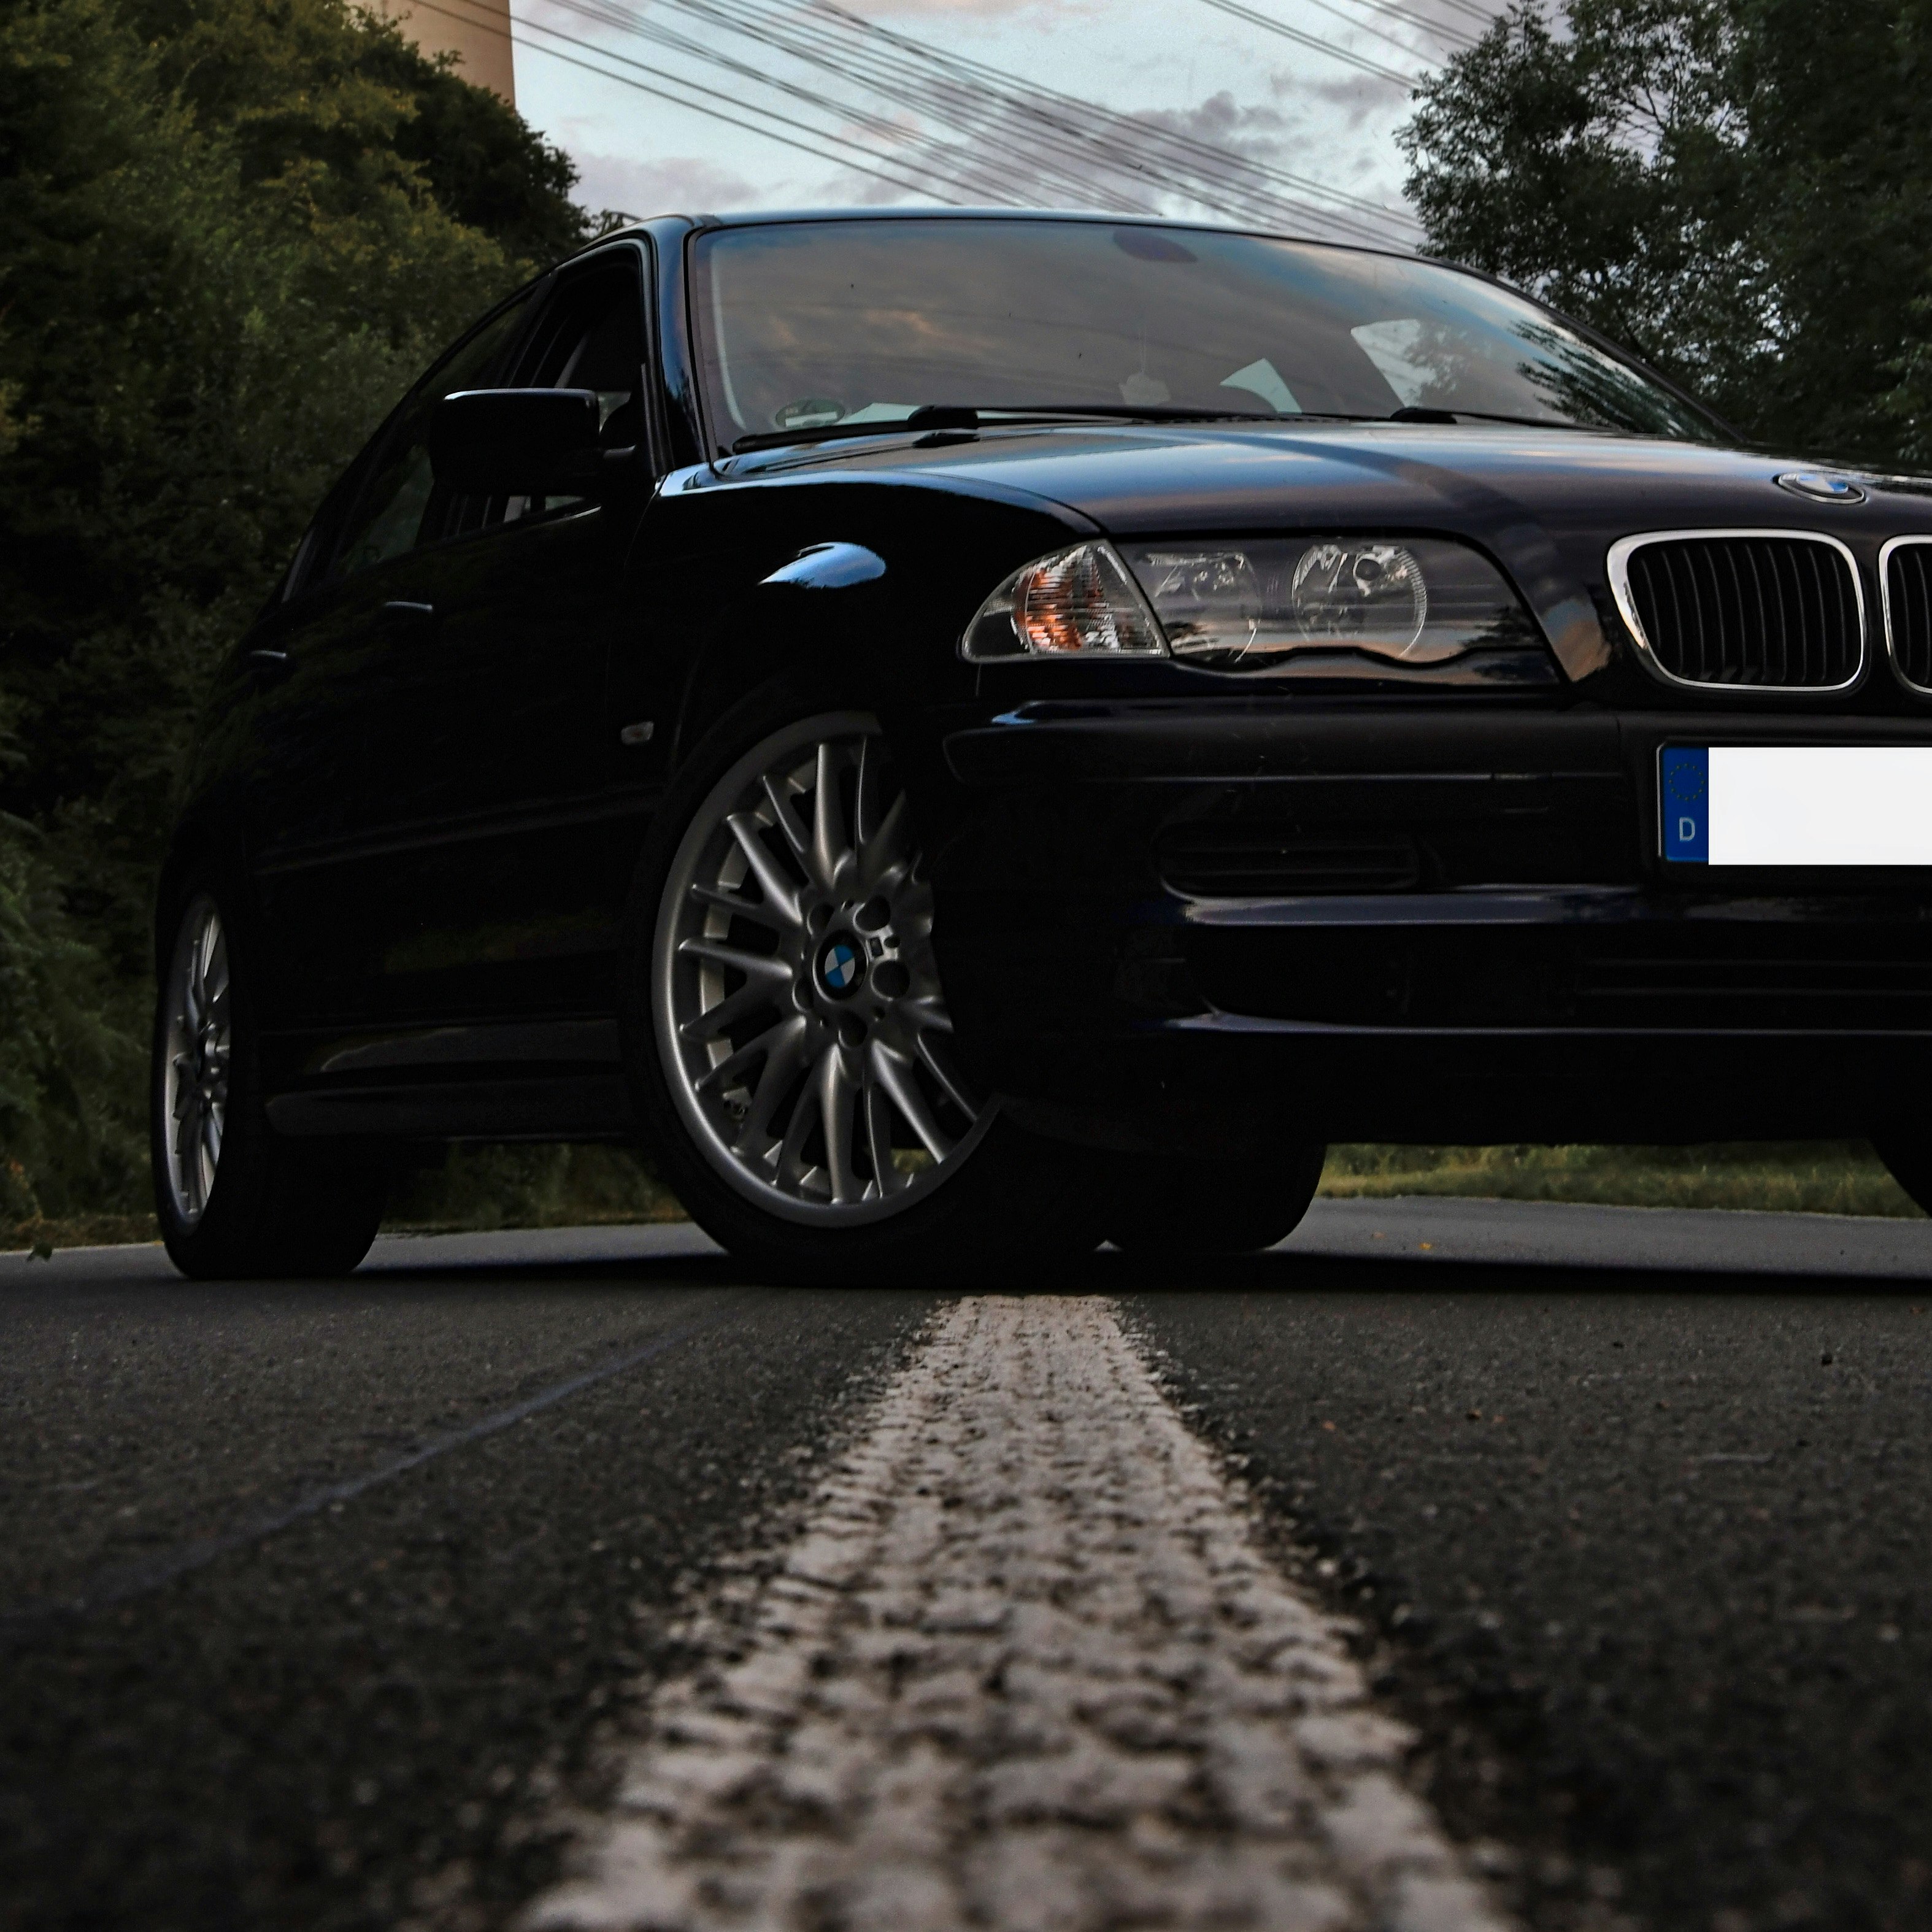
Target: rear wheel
{"type": "Point", "coordinates": [234, 1198]}
{"type": "Point", "coordinates": [1161, 1206]}
{"type": "Point", "coordinates": [796, 1053]}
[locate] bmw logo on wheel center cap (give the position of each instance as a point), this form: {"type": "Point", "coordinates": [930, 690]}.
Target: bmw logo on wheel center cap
{"type": "Point", "coordinates": [841, 965]}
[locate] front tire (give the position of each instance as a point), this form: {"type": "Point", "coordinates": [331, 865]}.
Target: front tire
{"type": "Point", "coordinates": [234, 1198]}
{"type": "Point", "coordinates": [1909, 1161]}
{"type": "Point", "coordinates": [790, 1042]}
{"type": "Point", "coordinates": [1163, 1207]}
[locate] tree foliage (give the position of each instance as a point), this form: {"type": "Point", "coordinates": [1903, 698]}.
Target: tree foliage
{"type": "Point", "coordinates": [1739, 189]}
{"type": "Point", "coordinates": [230, 231]}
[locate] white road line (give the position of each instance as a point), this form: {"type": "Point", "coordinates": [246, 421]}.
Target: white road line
{"type": "Point", "coordinates": [1025, 1668]}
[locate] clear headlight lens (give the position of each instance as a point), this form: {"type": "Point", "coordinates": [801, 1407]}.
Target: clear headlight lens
{"type": "Point", "coordinates": [1344, 593]}
{"type": "Point", "coordinates": [1314, 605]}
{"type": "Point", "coordinates": [1080, 602]}
{"type": "Point", "coordinates": [1259, 606]}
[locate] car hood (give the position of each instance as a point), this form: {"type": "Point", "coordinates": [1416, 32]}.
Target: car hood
{"type": "Point", "coordinates": [1547, 502]}
{"type": "Point", "coordinates": [1141, 480]}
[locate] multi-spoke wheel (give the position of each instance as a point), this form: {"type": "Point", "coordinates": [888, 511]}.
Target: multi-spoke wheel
{"type": "Point", "coordinates": [799, 1012]}
{"type": "Point", "coordinates": [233, 1197]}
{"type": "Point", "coordinates": [820, 1112]}
{"type": "Point", "coordinates": [195, 1046]}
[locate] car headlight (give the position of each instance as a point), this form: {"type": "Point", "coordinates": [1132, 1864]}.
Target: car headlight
{"type": "Point", "coordinates": [1079, 602]}
{"type": "Point", "coordinates": [1255, 606]}
{"type": "Point", "coordinates": [1312, 605]}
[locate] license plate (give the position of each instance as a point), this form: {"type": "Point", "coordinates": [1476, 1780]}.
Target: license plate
{"type": "Point", "coordinates": [1795, 805]}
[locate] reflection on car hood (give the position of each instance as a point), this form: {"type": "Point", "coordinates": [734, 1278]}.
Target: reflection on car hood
{"type": "Point", "coordinates": [1134, 479]}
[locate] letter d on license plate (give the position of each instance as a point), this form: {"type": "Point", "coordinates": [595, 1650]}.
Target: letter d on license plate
{"type": "Point", "coordinates": [1795, 805]}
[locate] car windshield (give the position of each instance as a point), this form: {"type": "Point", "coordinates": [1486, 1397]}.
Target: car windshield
{"type": "Point", "coordinates": [831, 326]}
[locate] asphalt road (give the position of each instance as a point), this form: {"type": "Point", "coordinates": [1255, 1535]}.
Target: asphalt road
{"type": "Point", "coordinates": [321, 1605]}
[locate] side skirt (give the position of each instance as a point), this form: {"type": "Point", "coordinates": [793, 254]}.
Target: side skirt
{"type": "Point", "coordinates": [573, 1107]}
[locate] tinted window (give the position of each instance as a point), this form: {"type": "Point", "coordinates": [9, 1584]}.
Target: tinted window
{"type": "Point", "coordinates": [395, 509]}
{"type": "Point", "coordinates": [804, 325]}
{"type": "Point", "coordinates": [590, 336]}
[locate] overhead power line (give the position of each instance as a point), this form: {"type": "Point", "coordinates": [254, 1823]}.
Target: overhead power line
{"type": "Point", "coordinates": [1269, 24]}
{"type": "Point", "coordinates": [935, 179]}
{"type": "Point", "coordinates": [864, 163]}
{"type": "Point", "coordinates": [1139, 133]}
{"type": "Point", "coordinates": [1441, 30]}
{"type": "Point", "coordinates": [994, 165]}
{"type": "Point", "coordinates": [974, 134]}
{"type": "Point", "coordinates": [1452, 36]}
{"type": "Point", "coordinates": [996, 110]}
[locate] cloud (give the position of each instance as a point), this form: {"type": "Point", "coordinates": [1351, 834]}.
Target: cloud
{"type": "Point", "coordinates": [1221, 119]}
{"type": "Point", "coordinates": [1360, 97]}
{"type": "Point", "coordinates": [676, 185]}
{"type": "Point", "coordinates": [1229, 155]}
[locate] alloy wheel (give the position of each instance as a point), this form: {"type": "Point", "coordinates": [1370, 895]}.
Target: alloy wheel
{"type": "Point", "coordinates": [194, 1059]}
{"type": "Point", "coordinates": [800, 1020]}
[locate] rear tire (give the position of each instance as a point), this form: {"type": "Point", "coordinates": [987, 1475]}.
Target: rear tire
{"type": "Point", "coordinates": [235, 1199]}
{"type": "Point", "coordinates": [1909, 1163]}
{"type": "Point", "coordinates": [1167, 1207]}
{"type": "Point", "coordinates": [787, 1034]}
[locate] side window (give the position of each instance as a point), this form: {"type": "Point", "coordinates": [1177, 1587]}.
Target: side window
{"type": "Point", "coordinates": [590, 337]}
{"type": "Point", "coordinates": [393, 510]}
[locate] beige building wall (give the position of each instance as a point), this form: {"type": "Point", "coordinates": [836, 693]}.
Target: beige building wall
{"type": "Point", "coordinates": [478, 31]}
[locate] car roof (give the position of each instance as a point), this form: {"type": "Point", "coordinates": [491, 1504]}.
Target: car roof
{"type": "Point", "coordinates": [916, 211]}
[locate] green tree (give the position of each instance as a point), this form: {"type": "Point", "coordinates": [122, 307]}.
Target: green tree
{"type": "Point", "coordinates": [229, 233]}
{"type": "Point", "coordinates": [1737, 189]}
{"type": "Point", "coordinates": [295, 82]}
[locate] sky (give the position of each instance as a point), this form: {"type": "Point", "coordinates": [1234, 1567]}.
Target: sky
{"type": "Point", "coordinates": [1282, 112]}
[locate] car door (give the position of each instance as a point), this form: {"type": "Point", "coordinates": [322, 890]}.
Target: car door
{"type": "Point", "coordinates": [492, 848]}
{"type": "Point", "coordinates": [315, 664]}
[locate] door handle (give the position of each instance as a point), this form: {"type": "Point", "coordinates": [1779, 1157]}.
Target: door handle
{"type": "Point", "coordinates": [406, 611]}
{"type": "Point", "coordinates": [270, 664]}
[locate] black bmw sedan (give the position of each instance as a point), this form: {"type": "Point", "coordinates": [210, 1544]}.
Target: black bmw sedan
{"type": "Point", "coordinates": [972, 732]}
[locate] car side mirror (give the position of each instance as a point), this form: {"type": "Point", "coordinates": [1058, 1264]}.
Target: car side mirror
{"type": "Point", "coordinates": [518, 442]}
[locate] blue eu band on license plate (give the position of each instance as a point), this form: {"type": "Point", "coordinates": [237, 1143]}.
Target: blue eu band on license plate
{"type": "Point", "coordinates": [1795, 805]}
{"type": "Point", "coordinates": [1684, 794]}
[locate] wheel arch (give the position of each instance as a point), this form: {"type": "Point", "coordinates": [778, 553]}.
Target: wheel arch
{"type": "Point", "coordinates": [776, 631]}
{"type": "Point", "coordinates": [863, 587]}
{"type": "Point", "coordinates": [201, 844]}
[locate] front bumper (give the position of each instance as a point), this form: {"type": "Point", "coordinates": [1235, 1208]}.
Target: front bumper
{"type": "Point", "coordinates": [1161, 923]}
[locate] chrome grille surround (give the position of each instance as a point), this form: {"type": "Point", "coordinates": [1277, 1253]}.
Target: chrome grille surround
{"type": "Point", "coordinates": [1907, 651]}
{"type": "Point", "coordinates": [1618, 565]}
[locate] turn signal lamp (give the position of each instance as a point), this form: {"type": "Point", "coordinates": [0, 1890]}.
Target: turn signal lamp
{"type": "Point", "coordinates": [1080, 602]}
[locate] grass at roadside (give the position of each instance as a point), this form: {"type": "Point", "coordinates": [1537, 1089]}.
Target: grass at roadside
{"type": "Point", "coordinates": [1817, 1178]}
{"type": "Point", "coordinates": [566, 1187]}
{"type": "Point", "coordinates": [530, 1187]}
{"type": "Point", "coordinates": [473, 1187]}
{"type": "Point", "coordinates": [44, 1233]}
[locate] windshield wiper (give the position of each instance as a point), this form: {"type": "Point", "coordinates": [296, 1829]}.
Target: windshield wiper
{"type": "Point", "coordinates": [1452, 417]}
{"type": "Point", "coordinates": [1008, 416]}
{"type": "Point", "coordinates": [1026, 413]}
{"type": "Point", "coordinates": [1013, 415]}
{"type": "Point", "coordinates": [927, 416]}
